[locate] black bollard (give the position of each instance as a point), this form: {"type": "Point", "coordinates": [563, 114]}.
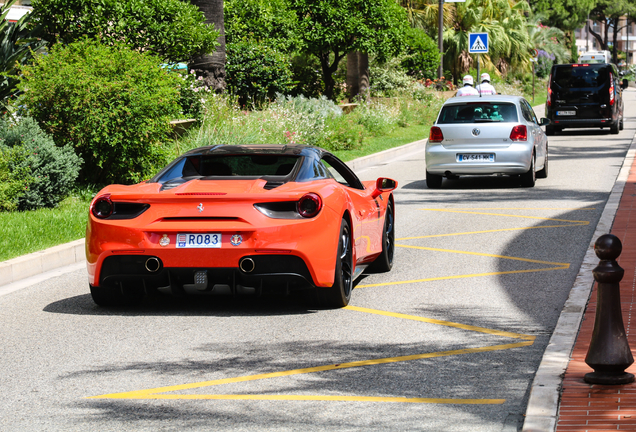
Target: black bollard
{"type": "Point", "coordinates": [609, 354]}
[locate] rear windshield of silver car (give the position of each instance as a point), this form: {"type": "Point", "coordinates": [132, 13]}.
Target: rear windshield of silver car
{"type": "Point", "coordinates": [579, 76]}
{"type": "Point", "coordinates": [478, 112]}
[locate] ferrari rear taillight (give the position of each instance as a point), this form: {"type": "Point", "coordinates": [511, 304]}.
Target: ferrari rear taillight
{"type": "Point", "coordinates": [519, 133]}
{"type": "Point", "coordinates": [102, 207]}
{"type": "Point", "coordinates": [611, 89]}
{"type": "Point", "coordinates": [549, 100]}
{"type": "Point", "coordinates": [435, 135]}
{"type": "Point", "coordinates": [309, 205]}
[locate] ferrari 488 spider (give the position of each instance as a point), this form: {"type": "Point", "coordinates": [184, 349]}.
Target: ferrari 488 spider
{"type": "Point", "coordinates": [240, 220]}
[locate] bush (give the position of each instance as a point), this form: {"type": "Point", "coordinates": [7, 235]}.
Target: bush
{"type": "Point", "coordinates": [422, 55]}
{"type": "Point", "coordinates": [389, 79]}
{"type": "Point", "coordinates": [544, 64]}
{"type": "Point", "coordinates": [14, 177]}
{"type": "Point", "coordinates": [113, 104]}
{"type": "Point", "coordinates": [192, 94]}
{"type": "Point", "coordinates": [342, 133]}
{"type": "Point", "coordinates": [256, 72]}
{"type": "Point", "coordinates": [52, 170]}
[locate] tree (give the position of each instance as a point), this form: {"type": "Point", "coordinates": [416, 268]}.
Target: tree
{"type": "Point", "coordinates": [18, 41]}
{"type": "Point", "coordinates": [503, 20]}
{"type": "Point", "coordinates": [610, 12]}
{"type": "Point", "coordinates": [330, 29]}
{"type": "Point", "coordinates": [212, 66]}
{"type": "Point", "coordinates": [567, 15]}
{"type": "Point", "coordinates": [173, 30]}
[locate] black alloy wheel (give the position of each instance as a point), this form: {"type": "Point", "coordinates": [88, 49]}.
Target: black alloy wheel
{"type": "Point", "coordinates": [384, 261]}
{"type": "Point", "coordinates": [339, 294]}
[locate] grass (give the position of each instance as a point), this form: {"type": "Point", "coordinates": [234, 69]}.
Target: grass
{"type": "Point", "coordinates": [31, 231]}
{"type": "Point", "coordinates": [398, 137]}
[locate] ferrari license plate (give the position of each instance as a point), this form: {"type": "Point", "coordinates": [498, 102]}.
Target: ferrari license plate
{"type": "Point", "coordinates": [189, 240]}
{"type": "Point", "coordinates": [566, 113]}
{"type": "Point", "coordinates": [475, 157]}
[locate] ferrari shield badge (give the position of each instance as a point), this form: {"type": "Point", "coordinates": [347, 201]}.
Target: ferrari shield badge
{"type": "Point", "coordinates": [165, 240]}
{"type": "Point", "coordinates": [236, 240]}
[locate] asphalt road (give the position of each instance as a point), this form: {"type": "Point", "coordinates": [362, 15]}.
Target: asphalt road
{"type": "Point", "coordinates": [447, 341]}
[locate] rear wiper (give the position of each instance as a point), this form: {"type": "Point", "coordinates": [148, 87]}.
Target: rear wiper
{"type": "Point", "coordinates": [485, 120]}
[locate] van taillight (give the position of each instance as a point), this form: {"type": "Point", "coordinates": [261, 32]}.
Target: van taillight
{"type": "Point", "coordinates": [435, 135]}
{"type": "Point", "coordinates": [611, 89]}
{"type": "Point", "coordinates": [549, 100]}
{"type": "Point", "coordinates": [519, 133]}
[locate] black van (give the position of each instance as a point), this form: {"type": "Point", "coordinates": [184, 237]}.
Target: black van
{"type": "Point", "coordinates": [585, 96]}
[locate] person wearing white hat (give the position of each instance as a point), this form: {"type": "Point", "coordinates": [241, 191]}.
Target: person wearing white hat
{"type": "Point", "coordinates": [485, 88]}
{"type": "Point", "coordinates": [468, 89]}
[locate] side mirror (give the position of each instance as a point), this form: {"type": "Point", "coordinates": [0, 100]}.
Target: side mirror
{"type": "Point", "coordinates": [625, 83]}
{"type": "Point", "coordinates": [382, 185]}
{"type": "Point", "coordinates": [544, 121]}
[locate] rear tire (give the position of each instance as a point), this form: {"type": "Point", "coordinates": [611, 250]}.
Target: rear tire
{"type": "Point", "coordinates": [549, 130]}
{"type": "Point", "coordinates": [528, 179]}
{"type": "Point", "coordinates": [384, 262]}
{"type": "Point", "coordinates": [109, 296]}
{"type": "Point", "coordinates": [621, 125]}
{"type": "Point", "coordinates": [614, 129]}
{"type": "Point", "coordinates": [544, 172]}
{"type": "Point", "coordinates": [433, 181]}
{"type": "Point", "coordinates": [339, 294]}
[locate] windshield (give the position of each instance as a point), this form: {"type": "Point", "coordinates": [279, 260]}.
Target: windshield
{"type": "Point", "coordinates": [478, 112]}
{"type": "Point", "coordinates": [593, 75]}
{"type": "Point", "coordinates": [243, 165]}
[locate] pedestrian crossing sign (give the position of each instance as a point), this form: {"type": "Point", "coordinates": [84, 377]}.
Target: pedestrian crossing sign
{"type": "Point", "coordinates": [477, 42]}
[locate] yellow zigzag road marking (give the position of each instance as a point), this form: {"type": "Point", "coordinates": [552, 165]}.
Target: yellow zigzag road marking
{"type": "Point", "coordinates": [557, 265]}
{"type": "Point", "coordinates": [155, 393]}
{"type": "Point", "coordinates": [444, 323]}
{"type": "Point", "coordinates": [508, 215]}
{"type": "Point", "coordinates": [152, 393]}
{"type": "Point", "coordinates": [491, 231]}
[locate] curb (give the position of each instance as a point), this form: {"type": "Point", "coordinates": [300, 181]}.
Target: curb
{"type": "Point", "coordinates": [40, 262]}
{"type": "Point", "coordinates": [543, 405]}
{"type": "Point", "coordinates": [66, 254]}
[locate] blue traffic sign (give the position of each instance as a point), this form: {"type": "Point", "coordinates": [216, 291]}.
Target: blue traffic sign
{"type": "Point", "coordinates": [477, 43]}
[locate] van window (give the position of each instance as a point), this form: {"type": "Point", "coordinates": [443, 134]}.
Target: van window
{"type": "Point", "coordinates": [478, 112]}
{"type": "Point", "coordinates": [581, 76]}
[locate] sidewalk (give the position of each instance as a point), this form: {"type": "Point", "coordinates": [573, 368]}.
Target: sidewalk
{"type": "Point", "coordinates": [586, 407]}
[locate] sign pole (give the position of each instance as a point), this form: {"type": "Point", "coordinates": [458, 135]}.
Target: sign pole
{"type": "Point", "coordinates": [440, 39]}
{"type": "Point", "coordinates": [478, 75]}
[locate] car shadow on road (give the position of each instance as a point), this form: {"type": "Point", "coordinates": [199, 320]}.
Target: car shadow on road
{"type": "Point", "coordinates": [296, 303]}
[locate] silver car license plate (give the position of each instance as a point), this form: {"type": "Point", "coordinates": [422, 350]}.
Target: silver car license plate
{"type": "Point", "coordinates": [475, 157]}
{"type": "Point", "coordinates": [566, 113]}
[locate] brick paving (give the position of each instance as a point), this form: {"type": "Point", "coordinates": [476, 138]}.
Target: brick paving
{"type": "Point", "coordinates": [587, 407]}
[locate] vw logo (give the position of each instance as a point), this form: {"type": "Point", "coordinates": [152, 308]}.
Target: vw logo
{"type": "Point", "coordinates": [200, 207]}
{"type": "Point", "coordinates": [476, 132]}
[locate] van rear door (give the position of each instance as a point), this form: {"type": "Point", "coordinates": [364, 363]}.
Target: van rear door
{"type": "Point", "coordinates": [581, 91]}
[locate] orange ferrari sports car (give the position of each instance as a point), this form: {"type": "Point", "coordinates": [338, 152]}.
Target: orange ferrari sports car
{"type": "Point", "coordinates": [240, 220]}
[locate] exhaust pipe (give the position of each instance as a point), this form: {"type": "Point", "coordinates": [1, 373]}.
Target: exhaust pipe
{"type": "Point", "coordinates": [153, 264]}
{"type": "Point", "coordinates": [247, 265]}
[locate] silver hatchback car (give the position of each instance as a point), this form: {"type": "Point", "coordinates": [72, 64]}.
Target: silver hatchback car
{"type": "Point", "coordinates": [485, 135]}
